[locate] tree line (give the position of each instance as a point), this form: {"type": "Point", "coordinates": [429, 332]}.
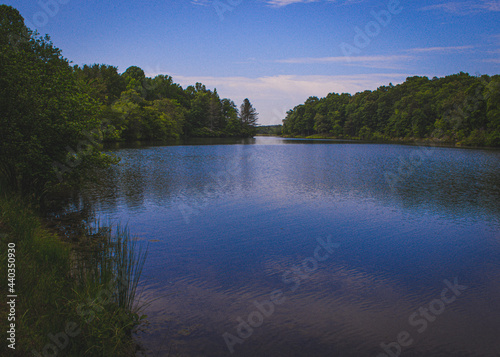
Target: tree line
{"type": "Point", "coordinates": [272, 130]}
{"type": "Point", "coordinates": [459, 108]}
{"type": "Point", "coordinates": [136, 107]}
{"type": "Point", "coordinates": [54, 116]}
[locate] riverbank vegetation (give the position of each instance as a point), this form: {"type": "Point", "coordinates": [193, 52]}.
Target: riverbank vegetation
{"type": "Point", "coordinates": [72, 299]}
{"type": "Point", "coordinates": [459, 109]}
{"type": "Point", "coordinates": [75, 292]}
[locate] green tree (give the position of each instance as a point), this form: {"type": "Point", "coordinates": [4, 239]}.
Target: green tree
{"type": "Point", "coordinates": [49, 123]}
{"type": "Point", "coordinates": [130, 116]}
{"type": "Point", "coordinates": [230, 116]}
{"type": "Point", "coordinates": [106, 82]}
{"type": "Point", "coordinates": [321, 124]}
{"type": "Point", "coordinates": [169, 119]}
{"type": "Point", "coordinates": [215, 112]}
{"type": "Point", "coordinates": [248, 118]}
{"type": "Point", "coordinates": [134, 78]}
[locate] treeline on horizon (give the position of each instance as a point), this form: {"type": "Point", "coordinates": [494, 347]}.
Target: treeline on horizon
{"type": "Point", "coordinates": [459, 108]}
{"type": "Point", "coordinates": [135, 107]}
{"type": "Point", "coordinates": [270, 130]}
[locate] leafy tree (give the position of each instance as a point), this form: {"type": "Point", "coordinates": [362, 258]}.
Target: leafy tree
{"type": "Point", "coordinates": [131, 116]}
{"type": "Point", "coordinates": [49, 122]}
{"type": "Point", "coordinates": [198, 113]}
{"type": "Point", "coordinates": [215, 112]}
{"type": "Point", "coordinates": [321, 124]}
{"type": "Point", "coordinates": [231, 118]}
{"type": "Point", "coordinates": [135, 78]}
{"type": "Point", "coordinates": [169, 119]}
{"type": "Point", "coordinates": [134, 72]}
{"type": "Point", "coordinates": [106, 82]}
{"type": "Point", "coordinates": [163, 86]}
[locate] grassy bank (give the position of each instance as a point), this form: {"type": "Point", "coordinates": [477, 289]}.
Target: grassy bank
{"type": "Point", "coordinates": [73, 299]}
{"type": "Point", "coordinates": [409, 140]}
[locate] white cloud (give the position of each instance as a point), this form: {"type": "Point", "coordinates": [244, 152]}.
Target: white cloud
{"type": "Point", "coordinates": [388, 62]}
{"type": "Point", "coordinates": [440, 49]}
{"type": "Point", "coordinates": [492, 60]}
{"type": "Point", "coordinates": [202, 2]}
{"type": "Point", "coordinates": [466, 7]}
{"type": "Point", "coordinates": [344, 59]}
{"type": "Point", "coordinates": [282, 3]}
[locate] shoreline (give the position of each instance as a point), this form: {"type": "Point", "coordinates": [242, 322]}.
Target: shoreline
{"type": "Point", "coordinates": [55, 278]}
{"type": "Point", "coordinates": [407, 141]}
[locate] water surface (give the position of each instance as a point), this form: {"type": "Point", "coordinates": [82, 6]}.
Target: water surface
{"type": "Point", "coordinates": [233, 225]}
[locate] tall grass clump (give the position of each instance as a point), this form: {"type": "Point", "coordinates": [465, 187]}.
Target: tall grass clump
{"type": "Point", "coordinates": [111, 257]}
{"type": "Point", "coordinates": [107, 264]}
{"type": "Point", "coordinates": [91, 283]}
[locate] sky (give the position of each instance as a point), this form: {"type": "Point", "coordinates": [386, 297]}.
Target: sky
{"type": "Point", "coordinates": [276, 53]}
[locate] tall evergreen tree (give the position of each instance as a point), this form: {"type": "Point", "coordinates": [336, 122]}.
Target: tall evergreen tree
{"type": "Point", "coordinates": [248, 118]}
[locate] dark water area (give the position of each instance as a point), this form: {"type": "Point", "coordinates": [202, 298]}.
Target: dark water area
{"type": "Point", "coordinates": [286, 247]}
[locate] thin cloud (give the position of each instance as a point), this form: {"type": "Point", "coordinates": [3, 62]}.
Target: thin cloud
{"type": "Point", "coordinates": [387, 62]}
{"type": "Point", "coordinates": [282, 3]}
{"type": "Point", "coordinates": [440, 49]}
{"type": "Point", "coordinates": [343, 59]}
{"type": "Point", "coordinates": [202, 2]}
{"type": "Point", "coordinates": [496, 38]}
{"type": "Point", "coordinates": [465, 7]}
{"type": "Point", "coordinates": [492, 60]}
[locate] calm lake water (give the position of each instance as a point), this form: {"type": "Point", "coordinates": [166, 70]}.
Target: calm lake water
{"type": "Point", "coordinates": [281, 247]}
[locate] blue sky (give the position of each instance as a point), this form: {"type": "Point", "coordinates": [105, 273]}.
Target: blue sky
{"type": "Point", "coordinates": [276, 52]}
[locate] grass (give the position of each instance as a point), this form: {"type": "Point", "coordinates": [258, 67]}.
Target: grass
{"type": "Point", "coordinates": [75, 298]}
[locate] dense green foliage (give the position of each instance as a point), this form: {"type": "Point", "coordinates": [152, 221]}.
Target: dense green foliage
{"type": "Point", "coordinates": [459, 108]}
{"type": "Point", "coordinates": [135, 107]}
{"type": "Point", "coordinates": [47, 115]}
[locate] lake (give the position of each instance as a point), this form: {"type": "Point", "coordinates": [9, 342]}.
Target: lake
{"type": "Point", "coordinates": [288, 247]}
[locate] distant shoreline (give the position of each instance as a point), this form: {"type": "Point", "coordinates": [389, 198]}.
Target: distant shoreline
{"type": "Point", "coordinates": [412, 141]}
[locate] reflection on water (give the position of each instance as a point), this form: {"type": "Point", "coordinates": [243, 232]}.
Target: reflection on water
{"type": "Point", "coordinates": [231, 223]}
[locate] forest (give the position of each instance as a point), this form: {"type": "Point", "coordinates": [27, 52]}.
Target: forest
{"type": "Point", "coordinates": [459, 109]}
{"type": "Point", "coordinates": [136, 107]}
